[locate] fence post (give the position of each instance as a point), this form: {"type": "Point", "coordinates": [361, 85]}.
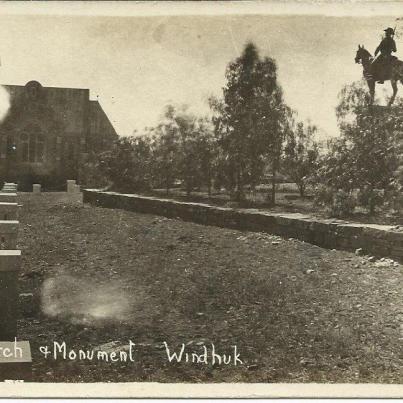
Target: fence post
{"type": "Point", "coordinates": [36, 188]}
{"type": "Point", "coordinates": [71, 186]}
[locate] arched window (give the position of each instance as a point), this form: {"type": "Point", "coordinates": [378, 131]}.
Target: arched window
{"type": "Point", "coordinates": [40, 148]}
{"type": "Point", "coordinates": [24, 141]}
{"type": "Point", "coordinates": [32, 147]}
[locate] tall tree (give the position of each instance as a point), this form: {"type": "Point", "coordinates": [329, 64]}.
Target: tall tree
{"type": "Point", "coordinates": [365, 155]}
{"type": "Point", "coordinates": [301, 153]}
{"type": "Point", "coordinates": [187, 157]}
{"type": "Point", "coordinates": [128, 164]}
{"type": "Point", "coordinates": [250, 117]}
{"type": "Point", "coordinates": [207, 152]}
{"type": "Point", "coordinates": [184, 149]}
{"type": "Point", "coordinates": [165, 149]}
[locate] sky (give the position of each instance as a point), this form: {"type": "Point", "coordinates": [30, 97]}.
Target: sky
{"type": "Point", "coordinates": [136, 65]}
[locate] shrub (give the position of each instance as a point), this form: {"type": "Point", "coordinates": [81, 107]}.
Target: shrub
{"type": "Point", "coordinates": [371, 198]}
{"type": "Point", "coordinates": [323, 195]}
{"type": "Point", "coordinates": [338, 203]}
{"type": "Point", "coordinates": [92, 175]}
{"type": "Point", "coordinates": [343, 204]}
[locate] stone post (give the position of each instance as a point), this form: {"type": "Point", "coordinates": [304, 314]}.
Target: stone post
{"type": "Point", "coordinates": [71, 186]}
{"type": "Point", "coordinates": [36, 188]}
{"type": "Point", "coordinates": [10, 261]}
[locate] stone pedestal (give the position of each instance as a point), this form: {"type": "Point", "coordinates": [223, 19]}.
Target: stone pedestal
{"type": "Point", "coordinates": [9, 187]}
{"type": "Point", "coordinates": [36, 188]}
{"type": "Point", "coordinates": [71, 186]}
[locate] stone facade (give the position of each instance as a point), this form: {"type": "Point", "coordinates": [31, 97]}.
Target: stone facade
{"type": "Point", "coordinates": [48, 132]}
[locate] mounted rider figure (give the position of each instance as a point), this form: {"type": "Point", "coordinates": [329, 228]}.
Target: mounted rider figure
{"type": "Point", "coordinates": [382, 65]}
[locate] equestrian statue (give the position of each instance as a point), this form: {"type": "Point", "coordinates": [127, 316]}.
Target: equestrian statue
{"type": "Point", "coordinates": [384, 66]}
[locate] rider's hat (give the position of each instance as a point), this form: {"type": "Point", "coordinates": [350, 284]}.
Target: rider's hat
{"type": "Point", "coordinates": [389, 30]}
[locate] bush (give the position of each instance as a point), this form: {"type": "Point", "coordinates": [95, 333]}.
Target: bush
{"type": "Point", "coordinates": [92, 175]}
{"type": "Point", "coordinates": [370, 198]}
{"type": "Point", "coordinates": [343, 204]}
{"type": "Point", "coordinates": [338, 203]}
{"type": "Point", "coordinates": [323, 195]}
{"type": "Point", "coordinates": [364, 158]}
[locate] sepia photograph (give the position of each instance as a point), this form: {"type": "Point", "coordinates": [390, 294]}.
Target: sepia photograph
{"type": "Point", "coordinates": [201, 193]}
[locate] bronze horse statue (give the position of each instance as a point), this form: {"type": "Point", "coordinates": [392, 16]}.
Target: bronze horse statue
{"type": "Point", "coordinates": [393, 72]}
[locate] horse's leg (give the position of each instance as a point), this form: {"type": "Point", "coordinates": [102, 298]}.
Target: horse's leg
{"type": "Point", "coordinates": [394, 86]}
{"type": "Point", "coordinates": [371, 86]}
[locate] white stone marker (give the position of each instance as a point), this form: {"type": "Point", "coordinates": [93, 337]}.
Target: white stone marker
{"type": "Point", "coordinates": [71, 186]}
{"type": "Point", "coordinates": [9, 188]}
{"type": "Point", "coordinates": [36, 188]}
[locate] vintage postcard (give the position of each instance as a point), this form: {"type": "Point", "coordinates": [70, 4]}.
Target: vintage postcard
{"type": "Point", "coordinates": [201, 199]}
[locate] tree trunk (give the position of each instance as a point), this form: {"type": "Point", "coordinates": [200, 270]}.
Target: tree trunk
{"type": "Point", "coordinates": [188, 187]}
{"type": "Point", "coordinates": [371, 203]}
{"type": "Point", "coordinates": [273, 188]}
{"type": "Point", "coordinates": [239, 186]}
{"type": "Point", "coordinates": [372, 208]}
{"type": "Point", "coordinates": [301, 188]}
{"type": "Point", "coordinates": [273, 183]}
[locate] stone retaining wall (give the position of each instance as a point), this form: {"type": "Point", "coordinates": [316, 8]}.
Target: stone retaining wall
{"type": "Point", "coordinates": [377, 240]}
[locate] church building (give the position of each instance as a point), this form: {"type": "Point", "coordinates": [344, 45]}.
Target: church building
{"type": "Point", "coordinates": [48, 133]}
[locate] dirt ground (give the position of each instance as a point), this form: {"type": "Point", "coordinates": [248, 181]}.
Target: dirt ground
{"type": "Point", "coordinates": [296, 312]}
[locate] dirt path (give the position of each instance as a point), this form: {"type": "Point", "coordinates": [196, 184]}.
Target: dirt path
{"type": "Point", "coordinates": [296, 312]}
